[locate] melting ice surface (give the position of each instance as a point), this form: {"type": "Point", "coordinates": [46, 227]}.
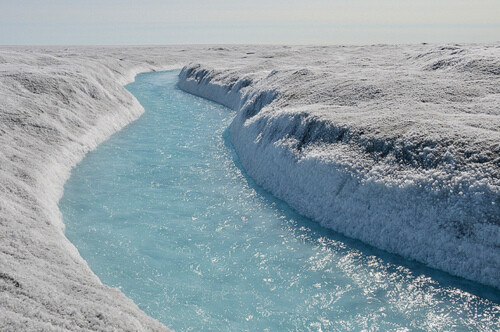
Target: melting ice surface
{"type": "Point", "coordinates": [162, 211]}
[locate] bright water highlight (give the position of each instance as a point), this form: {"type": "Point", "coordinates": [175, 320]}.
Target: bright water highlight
{"type": "Point", "coordinates": [162, 211]}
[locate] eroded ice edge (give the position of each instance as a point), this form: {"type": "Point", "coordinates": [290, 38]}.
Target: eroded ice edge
{"type": "Point", "coordinates": [412, 169]}
{"type": "Point", "coordinates": [395, 145]}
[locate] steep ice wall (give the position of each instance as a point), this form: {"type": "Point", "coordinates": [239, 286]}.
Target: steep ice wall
{"type": "Point", "coordinates": [408, 163]}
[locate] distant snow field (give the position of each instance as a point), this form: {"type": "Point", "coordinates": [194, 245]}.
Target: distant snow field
{"type": "Point", "coordinates": [398, 146]}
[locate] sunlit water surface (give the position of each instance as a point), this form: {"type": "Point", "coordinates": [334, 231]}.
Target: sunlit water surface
{"type": "Point", "coordinates": [163, 211]}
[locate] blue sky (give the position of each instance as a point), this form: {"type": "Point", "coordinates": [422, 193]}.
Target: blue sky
{"type": "Point", "coordinates": [70, 22]}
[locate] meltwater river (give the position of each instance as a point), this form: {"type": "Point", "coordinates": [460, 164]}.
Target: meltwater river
{"type": "Point", "coordinates": [163, 211]}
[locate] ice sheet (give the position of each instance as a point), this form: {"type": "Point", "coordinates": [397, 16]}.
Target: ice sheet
{"type": "Point", "coordinates": [395, 145]}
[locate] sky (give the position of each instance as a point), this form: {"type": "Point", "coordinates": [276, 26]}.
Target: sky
{"type": "Point", "coordinates": [156, 22]}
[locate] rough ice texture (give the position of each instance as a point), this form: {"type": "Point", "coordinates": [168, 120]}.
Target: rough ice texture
{"type": "Point", "coordinates": [398, 147]}
{"type": "Point", "coordinates": [395, 145]}
{"type": "Point", "coordinates": [55, 108]}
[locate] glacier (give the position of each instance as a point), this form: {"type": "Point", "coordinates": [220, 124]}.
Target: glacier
{"type": "Point", "coordinates": [398, 146]}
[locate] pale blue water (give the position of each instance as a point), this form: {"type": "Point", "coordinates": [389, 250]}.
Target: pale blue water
{"type": "Point", "coordinates": [163, 211]}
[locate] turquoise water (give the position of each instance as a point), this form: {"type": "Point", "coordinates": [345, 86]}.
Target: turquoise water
{"type": "Point", "coordinates": [163, 211]}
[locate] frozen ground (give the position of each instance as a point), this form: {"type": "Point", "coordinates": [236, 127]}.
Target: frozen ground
{"type": "Point", "coordinates": [398, 146]}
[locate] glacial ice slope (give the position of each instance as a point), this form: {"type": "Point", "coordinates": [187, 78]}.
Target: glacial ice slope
{"type": "Point", "coordinates": [53, 110]}
{"type": "Point", "coordinates": [339, 113]}
{"type": "Point", "coordinates": [396, 146]}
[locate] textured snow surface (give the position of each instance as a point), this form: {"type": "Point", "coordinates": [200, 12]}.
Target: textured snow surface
{"type": "Point", "coordinates": [395, 145]}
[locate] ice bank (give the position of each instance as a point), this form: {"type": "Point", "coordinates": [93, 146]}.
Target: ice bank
{"type": "Point", "coordinates": [373, 161]}
{"type": "Point", "coordinates": [54, 109]}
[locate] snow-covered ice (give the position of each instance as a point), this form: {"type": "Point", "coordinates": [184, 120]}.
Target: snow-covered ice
{"type": "Point", "coordinates": [398, 146]}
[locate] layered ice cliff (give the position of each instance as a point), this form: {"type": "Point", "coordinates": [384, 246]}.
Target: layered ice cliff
{"type": "Point", "coordinates": [395, 145]}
